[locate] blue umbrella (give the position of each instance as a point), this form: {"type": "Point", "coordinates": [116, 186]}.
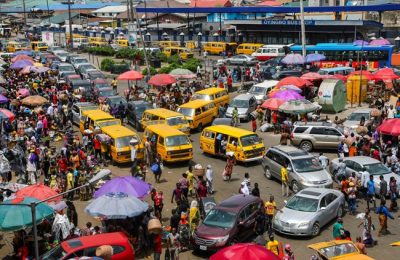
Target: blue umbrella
{"type": "Point", "coordinates": [293, 59]}
{"type": "Point", "coordinates": [314, 57]}
{"type": "Point", "coordinates": [116, 206]}
{"type": "Point", "coordinates": [15, 217]}
{"type": "Point", "coordinates": [23, 52]}
{"type": "Point", "coordinates": [21, 64]}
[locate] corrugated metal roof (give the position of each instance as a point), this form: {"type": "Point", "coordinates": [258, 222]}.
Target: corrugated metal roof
{"type": "Point", "coordinates": [111, 9]}
{"type": "Point", "coordinates": [210, 3]}
{"type": "Point", "coordinates": [58, 7]}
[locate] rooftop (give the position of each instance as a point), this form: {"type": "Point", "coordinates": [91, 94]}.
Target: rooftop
{"type": "Point", "coordinates": [111, 9]}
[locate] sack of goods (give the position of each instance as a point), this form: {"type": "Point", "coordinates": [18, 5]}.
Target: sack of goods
{"type": "Point", "coordinates": [199, 170]}
{"type": "Point", "coordinates": [154, 226]}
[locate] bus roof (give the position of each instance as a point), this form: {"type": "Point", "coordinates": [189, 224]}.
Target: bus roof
{"type": "Point", "coordinates": [163, 112]}
{"type": "Point", "coordinates": [164, 130]}
{"type": "Point", "coordinates": [229, 130]}
{"type": "Point", "coordinates": [209, 91]}
{"type": "Point", "coordinates": [116, 131]}
{"type": "Point", "coordinates": [275, 45]}
{"type": "Point", "coordinates": [336, 69]}
{"type": "Point", "coordinates": [97, 114]}
{"type": "Point", "coordinates": [341, 47]}
{"type": "Point", "coordinates": [196, 103]}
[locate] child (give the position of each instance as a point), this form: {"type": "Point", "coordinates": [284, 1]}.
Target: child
{"type": "Point", "coordinates": [254, 124]}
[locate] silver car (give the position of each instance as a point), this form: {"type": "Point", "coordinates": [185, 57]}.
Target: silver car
{"type": "Point", "coordinates": [353, 120]}
{"type": "Point", "coordinates": [245, 104]}
{"type": "Point", "coordinates": [358, 164]}
{"type": "Point", "coordinates": [261, 90]}
{"type": "Point", "coordinates": [241, 60]}
{"type": "Point", "coordinates": [308, 211]}
{"type": "Point", "coordinates": [80, 107]}
{"type": "Point", "coordinates": [304, 170]}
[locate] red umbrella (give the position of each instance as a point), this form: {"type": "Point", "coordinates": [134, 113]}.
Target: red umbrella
{"type": "Point", "coordinates": [363, 73]}
{"type": "Point", "coordinates": [273, 103]}
{"type": "Point", "coordinates": [337, 76]}
{"type": "Point", "coordinates": [161, 80]}
{"type": "Point", "coordinates": [296, 81]}
{"type": "Point", "coordinates": [244, 251]}
{"type": "Point", "coordinates": [390, 127]}
{"type": "Point", "coordinates": [5, 113]}
{"type": "Point", "coordinates": [130, 75]}
{"type": "Point", "coordinates": [269, 3]}
{"type": "Point", "coordinates": [386, 74]}
{"type": "Point", "coordinates": [39, 191]}
{"type": "Point", "coordinates": [312, 76]}
{"type": "Point", "coordinates": [21, 57]}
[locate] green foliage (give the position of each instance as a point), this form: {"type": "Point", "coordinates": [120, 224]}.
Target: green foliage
{"type": "Point", "coordinates": [161, 56]}
{"type": "Point", "coordinates": [167, 69]}
{"type": "Point", "coordinates": [128, 53]}
{"type": "Point", "coordinates": [153, 71]}
{"type": "Point", "coordinates": [191, 64]}
{"type": "Point", "coordinates": [106, 64]}
{"type": "Point", "coordinates": [101, 50]}
{"type": "Point", "coordinates": [174, 59]}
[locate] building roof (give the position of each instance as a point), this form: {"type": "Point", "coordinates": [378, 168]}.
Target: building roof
{"type": "Point", "coordinates": [172, 26]}
{"type": "Point", "coordinates": [210, 3]}
{"type": "Point", "coordinates": [111, 9]}
{"type": "Point", "coordinates": [94, 6]}
{"type": "Point", "coordinates": [154, 4]}
{"type": "Point", "coordinates": [61, 18]}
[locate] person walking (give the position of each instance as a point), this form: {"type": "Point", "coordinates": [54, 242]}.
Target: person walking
{"type": "Point", "coordinates": [285, 180]}
{"type": "Point", "coordinates": [253, 124]}
{"type": "Point", "coordinates": [361, 246]}
{"type": "Point", "coordinates": [367, 228]}
{"type": "Point", "coordinates": [177, 195]}
{"type": "Point", "coordinates": [270, 208]}
{"type": "Point", "coordinates": [230, 162]}
{"type": "Point", "coordinates": [338, 230]}
{"type": "Point", "coordinates": [273, 245]}
{"type": "Point", "coordinates": [351, 196]}
{"type": "Point", "coordinates": [184, 184]}
{"type": "Point", "coordinates": [235, 116]}
{"type": "Point", "coordinates": [209, 178]}
{"type": "Point", "coordinates": [371, 191]}
{"type": "Point", "coordinates": [244, 189]}
{"type": "Point", "coordinates": [289, 254]}
{"type": "Point", "coordinates": [173, 245]}
{"type": "Point", "coordinates": [393, 193]}
{"type": "Point", "coordinates": [384, 214]}
{"type": "Point", "coordinates": [383, 190]}
{"type": "Point", "coordinates": [255, 191]}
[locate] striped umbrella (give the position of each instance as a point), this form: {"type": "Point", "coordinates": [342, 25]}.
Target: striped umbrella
{"type": "Point", "coordinates": [6, 114]}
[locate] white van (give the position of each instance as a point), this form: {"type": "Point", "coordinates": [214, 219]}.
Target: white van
{"type": "Point", "coordinates": [80, 42]}
{"type": "Point", "coordinates": [267, 52]}
{"type": "Point", "coordinates": [261, 90]}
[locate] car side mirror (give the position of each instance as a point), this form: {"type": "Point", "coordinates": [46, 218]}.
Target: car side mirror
{"type": "Point", "coordinates": [289, 168]}
{"type": "Point", "coordinates": [322, 208]}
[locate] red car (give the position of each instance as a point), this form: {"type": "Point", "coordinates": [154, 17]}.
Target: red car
{"type": "Point", "coordinates": [86, 246]}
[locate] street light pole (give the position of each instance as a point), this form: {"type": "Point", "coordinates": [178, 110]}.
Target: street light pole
{"type": "Point", "coordinates": [69, 3]}
{"type": "Point", "coordinates": [303, 29]}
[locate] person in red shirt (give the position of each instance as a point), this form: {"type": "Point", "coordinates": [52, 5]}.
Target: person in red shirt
{"type": "Point", "coordinates": [202, 189]}
{"type": "Point", "coordinates": [229, 83]}
{"type": "Point", "coordinates": [254, 124]}
{"type": "Point", "coordinates": [97, 148]}
{"type": "Point", "coordinates": [62, 164]}
{"type": "Point", "coordinates": [275, 121]}
{"type": "Point", "coordinates": [157, 242]}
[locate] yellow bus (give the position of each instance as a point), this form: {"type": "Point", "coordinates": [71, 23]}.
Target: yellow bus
{"type": "Point", "coordinates": [165, 116]}
{"type": "Point", "coordinates": [218, 96]}
{"type": "Point", "coordinates": [183, 53]}
{"type": "Point", "coordinates": [170, 144]}
{"type": "Point", "coordinates": [245, 145]}
{"type": "Point", "coordinates": [248, 48]}
{"type": "Point", "coordinates": [39, 46]}
{"type": "Point", "coordinates": [219, 47]}
{"type": "Point", "coordinates": [91, 119]}
{"type": "Point", "coordinates": [199, 113]}
{"type": "Point", "coordinates": [13, 46]}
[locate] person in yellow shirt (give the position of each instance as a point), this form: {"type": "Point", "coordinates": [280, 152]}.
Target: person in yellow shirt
{"type": "Point", "coordinates": [285, 180]}
{"type": "Point", "coordinates": [190, 178]}
{"type": "Point", "coordinates": [114, 84]}
{"type": "Point", "coordinates": [70, 184]}
{"type": "Point", "coordinates": [273, 245]}
{"type": "Point", "coordinates": [270, 207]}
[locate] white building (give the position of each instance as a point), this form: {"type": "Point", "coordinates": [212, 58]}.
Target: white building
{"type": "Point", "coordinates": [110, 11]}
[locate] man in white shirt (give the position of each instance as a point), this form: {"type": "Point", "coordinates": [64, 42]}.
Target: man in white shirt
{"type": "Point", "coordinates": [390, 112]}
{"type": "Point", "coordinates": [323, 160]}
{"type": "Point", "coordinates": [244, 189]}
{"type": "Point", "coordinates": [341, 169]}
{"type": "Point", "coordinates": [210, 176]}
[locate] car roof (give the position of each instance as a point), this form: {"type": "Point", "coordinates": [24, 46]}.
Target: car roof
{"type": "Point", "coordinates": [105, 89]}
{"type": "Point", "coordinates": [165, 113]}
{"type": "Point", "coordinates": [315, 192]}
{"type": "Point", "coordinates": [362, 110]}
{"type": "Point", "coordinates": [65, 64]}
{"type": "Point", "coordinates": [196, 103]}
{"type": "Point", "coordinates": [164, 130]}
{"type": "Point", "coordinates": [291, 151]}
{"type": "Point", "coordinates": [139, 103]}
{"type": "Point", "coordinates": [362, 160]}
{"type": "Point", "coordinates": [237, 202]}
{"type": "Point", "coordinates": [209, 91]}
{"type": "Point", "coordinates": [243, 96]}
{"type": "Point", "coordinates": [79, 243]}
{"type": "Point", "coordinates": [301, 123]}
{"type": "Point", "coordinates": [84, 104]}
{"type": "Point", "coordinates": [118, 131]}
{"type": "Point", "coordinates": [229, 130]}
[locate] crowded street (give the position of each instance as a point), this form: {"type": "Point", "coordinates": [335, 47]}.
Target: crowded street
{"type": "Point", "coordinates": [123, 142]}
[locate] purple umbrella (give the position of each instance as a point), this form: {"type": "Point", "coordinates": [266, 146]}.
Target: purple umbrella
{"type": "Point", "coordinates": [314, 57]}
{"type": "Point", "coordinates": [286, 95]}
{"type": "Point", "coordinates": [380, 42]}
{"type": "Point", "coordinates": [293, 59]}
{"type": "Point", "coordinates": [127, 184]}
{"type": "Point", "coordinates": [360, 42]}
{"type": "Point", "coordinates": [23, 52]}
{"type": "Point", "coordinates": [39, 69]}
{"type": "Point", "coordinates": [21, 64]}
{"type": "Point", "coordinates": [3, 99]}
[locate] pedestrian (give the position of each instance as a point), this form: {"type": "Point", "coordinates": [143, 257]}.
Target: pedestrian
{"type": "Point", "coordinates": [247, 180]}
{"type": "Point", "coordinates": [340, 170]}
{"type": "Point", "coordinates": [230, 162]}
{"type": "Point", "coordinates": [270, 208]}
{"type": "Point", "coordinates": [194, 216]}
{"type": "Point", "coordinates": [97, 148]}
{"type": "Point", "coordinates": [351, 195]}
{"type": "Point", "coordinates": [173, 244]}
{"type": "Point", "coordinates": [184, 185]}
{"type": "Point", "coordinates": [190, 178]}
{"type": "Point", "coordinates": [158, 204]}
{"type": "Point", "coordinates": [209, 178]}
{"type": "Point", "coordinates": [177, 195]}
{"type": "Point", "coordinates": [156, 169]}
{"type": "Point", "coordinates": [338, 230]}
{"type": "Point", "coordinates": [114, 84]}
{"type": "Point", "coordinates": [285, 136]}
{"type": "Point", "coordinates": [157, 243]}
{"type": "Point", "coordinates": [175, 218]}
{"type": "Point", "coordinates": [202, 189]}
{"type": "Point", "coordinates": [360, 246]}
{"type": "Point", "coordinates": [253, 124]}
{"type": "Point", "coordinates": [393, 193]}
{"type": "Point", "coordinates": [323, 160]}
{"type": "Point", "coordinates": [383, 188]}
{"type": "Point", "coordinates": [285, 180]}
{"type": "Point", "coordinates": [255, 191]}
{"type": "Point", "coordinates": [259, 226]}
{"type": "Point", "coordinates": [367, 228]}
{"type": "Point", "coordinates": [235, 117]}
{"type": "Point", "coordinates": [371, 191]}
{"type": "Point", "coordinates": [384, 214]}
{"type": "Point", "coordinates": [244, 189]}
{"type": "Point", "coordinates": [289, 254]}
{"type": "Point", "coordinates": [273, 245]}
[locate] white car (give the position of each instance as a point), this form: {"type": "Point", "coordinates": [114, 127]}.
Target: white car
{"type": "Point", "coordinates": [240, 60]}
{"type": "Point", "coordinates": [62, 55]}
{"type": "Point", "coordinates": [353, 120]}
{"type": "Point", "coordinates": [261, 90]}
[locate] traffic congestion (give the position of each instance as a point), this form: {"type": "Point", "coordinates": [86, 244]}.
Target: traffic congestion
{"type": "Point", "coordinates": [268, 152]}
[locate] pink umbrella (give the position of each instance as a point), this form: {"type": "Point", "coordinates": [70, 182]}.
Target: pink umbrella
{"type": "Point", "coordinates": [21, 57]}
{"type": "Point", "coordinates": [5, 113]}
{"type": "Point", "coordinates": [161, 80]}
{"type": "Point", "coordinates": [312, 76]}
{"type": "Point", "coordinates": [380, 42]}
{"type": "Point", "coordinates": [269, 3]}
{"type": "Point", "coordinates": [286, 95]}
{"type": "Point", "coordinates": [23, 92]}
{"type": "Point", "coordinates": [130, 75]}
{"type": "Point", "coordinates": [386, 74]}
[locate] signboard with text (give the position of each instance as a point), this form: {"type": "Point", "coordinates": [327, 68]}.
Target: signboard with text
{"type": "Point", "coordinates": [287, 22]}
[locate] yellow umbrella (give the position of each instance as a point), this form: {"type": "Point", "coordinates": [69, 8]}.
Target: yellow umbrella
{"type": "Point", "coordinates": [34, 101]}
{"type": "Point", "coordinates": [38, 64]}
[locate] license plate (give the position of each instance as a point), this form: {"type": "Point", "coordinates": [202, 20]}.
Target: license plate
{"type": "Point", "coordinates": [203, 248]}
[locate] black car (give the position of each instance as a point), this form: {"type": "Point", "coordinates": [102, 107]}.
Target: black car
{"type": "Point", "coordinates": [85, 86]}
{"type": "Point", "coordinates": [135, 112]}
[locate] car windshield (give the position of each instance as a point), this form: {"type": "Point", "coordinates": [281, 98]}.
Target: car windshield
{"type": "Point", "coordinates": [54, 254]}
{"type": "Point", "coordinates": [62, 54]}
{"type": "Point", "coordinates": [220, 218]}
{"type": "Point", "coordinates": [106, 93]}
{"type": "Point", "coordinates": [302, 204]}
{"type": "Point", "coordinates": [202, 97]}
{"type": "Point", "coordinates": [239, 103]}
{"type": "Point", "coordinates": [179, 120]}
{"type": "Point", "coordinates": [93, 76]}
{"type": "Point", "coordinates": [81, 61]}
{"type": "Point", "coordinates": [101, 85]}
{"type": "Point", "coordinates": [306, 165]}
{"type": "Point", "coordinates": [108, 123]}
{"type": "Point", "coordinates": [186, 111]}
{"type": "Point", "coordinates": [338, 250]}
{"type": "Point", "coordinates": [258, 90]}
{"type": "Point", "coordinates": [87, 66]}
{"type": "Point", "coordinates": [358, 116]}
{"type": "Point", "coordinates": [121, 142]}
{"type": "Point", "coordinates": [66, 68]}
{"type": "Point", "coordinates": [177, 140]}
{"type": "Point", "coordinates": [377, 169]}
{"type": "Point", "coordinates": [250, 140]}
{"type": "Point", "coordinates": [117, 100]}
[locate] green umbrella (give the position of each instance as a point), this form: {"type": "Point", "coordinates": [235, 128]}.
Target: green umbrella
{"type": "Point", "coordinates": [15, 217]}
{"type": "Point", "coordinates": [302, 106]}
{"type": "Point", "coordinates": [182, 74]}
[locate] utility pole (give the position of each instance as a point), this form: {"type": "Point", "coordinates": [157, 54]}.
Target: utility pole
{"type": "Point", "coordinates": [303, 29]}
{"type": "Point", "coordinates": [24, 7]}
{"type": "Point", "coordinates": [71, 40]}
{"type": "Point", "coordinates": [135, 16]}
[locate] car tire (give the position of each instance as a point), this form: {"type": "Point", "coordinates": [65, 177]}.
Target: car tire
{"type": "Point", "coordinates": [315, 230]}
{"type": "Point", "coordinates": [340, 212]}
{"type": "Point", "coordinates": [199, 128]}
{"type": "Point", "coordinates": [306, 146]}
{"type": "Point", "coordinates": [295, 186]}
{"type": "Point", "coordinates": [267, 173]}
